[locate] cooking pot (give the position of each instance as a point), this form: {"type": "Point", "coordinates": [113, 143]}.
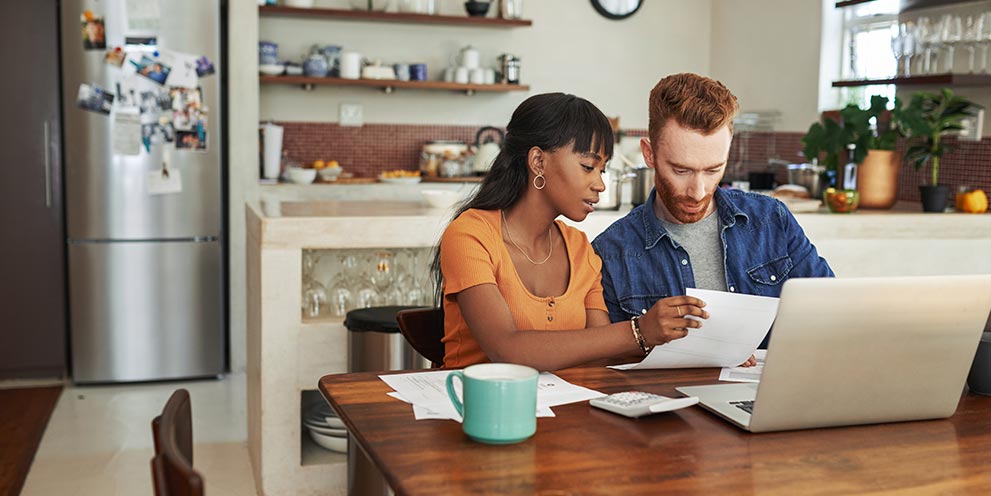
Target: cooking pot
{"type": "Point", "coordinates": [807, 175]}
{"type": "Point", "coordinates": [487, 150]}
{"type": "Point", "coordinates": [643, 183]}
{"type": "Point", "coordinates": [609, 199]}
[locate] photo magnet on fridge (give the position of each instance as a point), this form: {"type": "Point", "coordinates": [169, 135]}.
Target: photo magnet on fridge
{"type": "Point", "coordinates": [190, 140]}
{"type": "Point", "coordinates": [152, 69]}
{"type": "Point", "coordinates": [204, 67]}
{"type": "Point", "coordinates": [115, 57]}
{"type": "Point", "coordinates": [94, 36]}
{"type": "Point", "coordinates": [95, 99]}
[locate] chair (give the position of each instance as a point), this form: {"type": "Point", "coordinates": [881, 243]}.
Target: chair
{"type": "Point", "coordinates": [172, 467]}
{"type": "Point", "coordinates": [423, 328]}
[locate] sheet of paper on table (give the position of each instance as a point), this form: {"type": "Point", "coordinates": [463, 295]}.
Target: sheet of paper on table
{"type": "Point", "coordinates": [745, 374]}
{"type": "Point", "coordinates": [737, 323]}
{"type": "Point", "coordinates": [427, 392]}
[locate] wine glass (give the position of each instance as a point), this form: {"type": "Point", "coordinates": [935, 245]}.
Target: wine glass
{"type": "Point", "coordinates": [951, 35]}
{"type": "Point", "coordinates": [909, 46]}
{"type": "Point", "coordinates": [314, 298]}
{"type": "Point", "coordinates": [971, 36]}
{"type": "Point", "coordinates": [897, 42]}
{"type": "Point", "coordinates": [341, 297]}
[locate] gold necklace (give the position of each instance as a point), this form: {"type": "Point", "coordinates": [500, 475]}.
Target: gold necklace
{"type": "Point", "coordinates": [550, 245]}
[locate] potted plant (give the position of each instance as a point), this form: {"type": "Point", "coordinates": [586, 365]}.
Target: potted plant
{"type": "Point", "coordinates": [874, 131]}
{"type": "Point", "coordinates": [929, 118]}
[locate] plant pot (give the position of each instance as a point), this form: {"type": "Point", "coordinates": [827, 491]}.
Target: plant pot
{"type": "Point", "coordinates": [877, 179]}
{"type": "Point", "coordinates": [934, 198]}
{"type": "Point", "coordinates": [979, 378]}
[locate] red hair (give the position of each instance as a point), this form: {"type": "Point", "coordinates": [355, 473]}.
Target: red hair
{"type": "Point", "coordinates": [695, 102]}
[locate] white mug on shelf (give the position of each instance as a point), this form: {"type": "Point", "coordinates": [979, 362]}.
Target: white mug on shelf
{"type": "Point", "coordinates": [350, 65]}
{"type": "Point", "coordinates": [449, 73]}
{"type": "Point", "coordinates": [271, 150]}
{"type": "Point", "coordinates": [489, 75]}
{"type": "Point", "coordinates": [476, 76]}
{"type": "Point", "coordinates": [469, 57]}
{"type": "Point", "coordinates": [461, 75]}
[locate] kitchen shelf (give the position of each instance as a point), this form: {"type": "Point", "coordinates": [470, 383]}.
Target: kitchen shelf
{"type": "Point", "coordinates": [906, 5]}
{"type": "Point", "coordinates": [390, 84]}
{"type": "Point", "coordinates": [366, 15]}
{"type": "Point", "coordinates": [926, 80]}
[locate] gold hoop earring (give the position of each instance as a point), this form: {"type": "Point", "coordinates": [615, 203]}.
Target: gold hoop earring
{"type": "Point", "coordinates": [543, 181]}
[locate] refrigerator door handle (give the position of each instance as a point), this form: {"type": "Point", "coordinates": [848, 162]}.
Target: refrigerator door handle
{"type": "Point", "coordinates": [48, 166]}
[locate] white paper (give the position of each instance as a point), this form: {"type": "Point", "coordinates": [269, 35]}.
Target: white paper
{"type": "Point", "coordinates": [160, 184]}
{"type": "Point", "coordinates": [142, 15]}
{"type": "Point", "coordinates": [126, 134]}
{"type": "Point", "coordinates": [737, 323]}
{"type": "Point", "coordinates": [427, 392]}
{"type": "Point", "coordinates": [183, 73]}
{"type": "Point", "coordinates": [745, 374]}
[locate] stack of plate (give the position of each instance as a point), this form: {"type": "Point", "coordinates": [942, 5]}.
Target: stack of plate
{"type": "Point", "coordinates": [326, 428]}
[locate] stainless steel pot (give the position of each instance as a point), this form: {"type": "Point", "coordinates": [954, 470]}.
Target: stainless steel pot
{"type": "Point", "coordinates": [807, 175]}
{"type": "Point", "coordinates": [609, 199]}
{"type": "Point", "coordinates": [643, 182]}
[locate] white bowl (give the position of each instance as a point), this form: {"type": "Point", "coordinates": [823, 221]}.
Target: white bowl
{"type": "Point", "coordinates": [327, 431]}
{"type": "Point", "coordinates": [301, 4]}
{"type": "Point", "coordinates": [301, 176]}
{"type": "Point", "coordinates": [440, 198]}
{"type": "Point", "coordinates": [330, 173]}
{"type": "Point", "coordinates": [338, 444]}
{"type": "Point", "coordinates": [334, 422]}
{"type": "Point", "coordinates": [271, 69]}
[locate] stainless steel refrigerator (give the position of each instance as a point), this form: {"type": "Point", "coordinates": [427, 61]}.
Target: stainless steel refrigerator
{"type": "Point", "coordinates": [146, 263]}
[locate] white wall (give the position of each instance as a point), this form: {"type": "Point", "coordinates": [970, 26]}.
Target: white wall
{"type": "Point", "coordinates": [767, 53]}
{"type": "Point", "coordinates": [569, 48]}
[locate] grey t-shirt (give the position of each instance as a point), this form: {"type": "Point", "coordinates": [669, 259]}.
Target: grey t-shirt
{"type": "Point", "coordinates": [705, 250]}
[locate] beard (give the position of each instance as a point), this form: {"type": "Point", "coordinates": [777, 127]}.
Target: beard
{"type": "Point", "coordinates": [677, 205]}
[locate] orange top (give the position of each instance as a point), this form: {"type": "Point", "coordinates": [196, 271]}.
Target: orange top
{"type": "Point", "coordinates": [472, 253]}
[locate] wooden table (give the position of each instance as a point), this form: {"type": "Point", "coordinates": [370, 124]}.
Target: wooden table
{"type": "Point", "coordinates": [584, 450]}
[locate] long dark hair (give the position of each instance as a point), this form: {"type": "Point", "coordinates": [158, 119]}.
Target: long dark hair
{"type": "Point", "coordinates": [548, 121]}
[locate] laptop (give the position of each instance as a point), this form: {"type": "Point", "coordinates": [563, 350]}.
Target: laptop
{"type": "Point", "coordinates": [851, 351]}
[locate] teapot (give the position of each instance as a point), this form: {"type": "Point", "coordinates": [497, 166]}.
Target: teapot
{"type": "Point", "coordinates": [486, 151]}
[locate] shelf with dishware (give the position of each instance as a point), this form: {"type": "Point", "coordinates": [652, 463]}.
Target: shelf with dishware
{"type": "Point", "coordinates": [388, 85]}
{"type": "Point", "coordinates": [945, 79]}
{"type": "Point", "coordinates": [905, 5]}
{"type": "Point", "coordinates": [375, 16]}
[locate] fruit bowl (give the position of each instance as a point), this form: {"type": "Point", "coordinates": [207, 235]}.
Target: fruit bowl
{"type": "Point", "coordinates": [841, 201]}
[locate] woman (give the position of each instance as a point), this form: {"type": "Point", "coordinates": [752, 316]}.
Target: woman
{"type": "Point", "coordinates": [508, 272]}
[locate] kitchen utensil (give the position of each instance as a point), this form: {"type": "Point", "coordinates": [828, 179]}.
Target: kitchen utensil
{"type": "Point", "coordinates": [468, 57]}
{"type": "Point", "coordinates": [271, 69]}
{"type": "Point", "coordinates": [477, 9]}
{"type": "Point", "coordinates": [271, 150]}
{"type": "Point", "coordinates": [489, 75]}
{"type": "Point", "coordinates": [511, 9]}
{"type": "Point", "coordinates": [488, 148]}
{"type": "Point", "coordinates": [510, 68]}
{"type": "Point", "coordinates": [300, 4]}
{"type": "Point", "coordinates": [377, 71]}
{"type": "Point", "coordinates": [643, 183]}
{"type": "Point", "coordinates": [807, 175]}
{"type": "Point", "coordinates": [418, 72]}
{"type": "Point", "coordinates": [428, 7]}
{"type": "Point", "coordinates": [350, 65]}
{"type": "Point", "coordinates": [316, 66]}
{"type": "Point", "coordinates": [333, 55]}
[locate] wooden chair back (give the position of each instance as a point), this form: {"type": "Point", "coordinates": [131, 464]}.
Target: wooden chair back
{"type": "Point", "coordinates": [172, 467]}
{"type": "Point", "coordinates": [423, 329]}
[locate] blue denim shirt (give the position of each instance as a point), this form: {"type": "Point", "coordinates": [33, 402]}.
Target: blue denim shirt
{"type": "Point", "coordinates": [763, 246]}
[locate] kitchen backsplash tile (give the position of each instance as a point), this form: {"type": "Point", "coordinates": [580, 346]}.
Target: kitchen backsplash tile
{"type": "Point", "coordinates": [371, 149]}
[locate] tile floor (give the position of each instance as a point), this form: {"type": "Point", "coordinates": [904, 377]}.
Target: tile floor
{"type": "Point", "coordinates": [98, 441]}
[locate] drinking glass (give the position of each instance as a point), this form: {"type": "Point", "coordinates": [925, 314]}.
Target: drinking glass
{"type": "Point", "coordinates": [341, 296]}
{"type": "Point", "coordinates": [909, 48]}
{"type": "Point", "coordinates": [951, 35]}
{"type": "Point", "coordinates": [971, 36]}
{"type": "Point", "coordinates": [984, 39]}
{"type": "Point", "coordinates": [897, 39]}
{"type": "Point", "coordinates": [314, 298]}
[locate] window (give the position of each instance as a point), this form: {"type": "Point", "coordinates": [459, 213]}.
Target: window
{"type": "Point", "coordinates": [866, 51]}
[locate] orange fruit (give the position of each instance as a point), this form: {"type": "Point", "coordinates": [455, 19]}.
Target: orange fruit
{"type": "Point", "coordinates": [973, 202]}
{"type": "Point", "coordinates": [319, 164]}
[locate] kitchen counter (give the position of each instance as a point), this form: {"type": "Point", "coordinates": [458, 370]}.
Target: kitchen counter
{"type": "Point", "coordinates": [900, 241]}
{"type": "Point", "coordinates": [287, 354]}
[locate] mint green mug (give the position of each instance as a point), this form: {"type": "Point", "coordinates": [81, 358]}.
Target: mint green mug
{"type": "Point", "coordinates": [500, 402]}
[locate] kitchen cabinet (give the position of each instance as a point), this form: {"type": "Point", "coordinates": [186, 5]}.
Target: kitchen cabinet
{"type": "Point", "coordinates": [33, 286]}
{"type": "Point", "coordinates": [389, 17]}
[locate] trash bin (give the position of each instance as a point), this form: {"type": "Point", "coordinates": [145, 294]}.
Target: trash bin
{"type": "Point", "coordinates": [375, 344]}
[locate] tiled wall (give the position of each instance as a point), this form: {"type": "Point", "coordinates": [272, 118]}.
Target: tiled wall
{"type": "Point", "coordinates": [370, 149]}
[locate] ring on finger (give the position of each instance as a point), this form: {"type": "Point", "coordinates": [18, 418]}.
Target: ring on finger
{"type": "Point", "coordinates": [679, 311]}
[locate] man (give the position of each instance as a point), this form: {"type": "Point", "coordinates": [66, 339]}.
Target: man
{"type": "Point", "coordinates": [690, 233]}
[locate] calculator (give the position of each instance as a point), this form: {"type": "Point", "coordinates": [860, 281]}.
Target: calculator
{"type": "Point", "coordinates": [638, 403]}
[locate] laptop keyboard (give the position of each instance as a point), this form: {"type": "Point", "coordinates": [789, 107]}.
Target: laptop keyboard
{"type": "Point", "coordinates": [747, 405]}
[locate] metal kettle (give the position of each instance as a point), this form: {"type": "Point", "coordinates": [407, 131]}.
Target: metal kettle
{"type": "Point", "coordinates": [487, 150]}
